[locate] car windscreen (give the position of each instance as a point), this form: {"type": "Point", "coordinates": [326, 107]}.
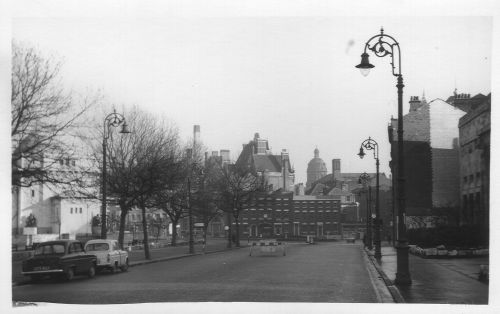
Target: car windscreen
{"type": "Point", "coordinates": [97, 247]}
{"type": "Point", "coordinates": [47, 249]}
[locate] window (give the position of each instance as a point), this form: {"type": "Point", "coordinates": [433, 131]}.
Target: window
{"type": "Point", "coordinates": [71, 210]}
{"type": "Point", "coordinates": [73, 163]}
{"type": "Point", "coordinates": [32, 193]}
{"type": "Point", "coordinates": [61, 162]}
{"type": "Point", "coordinates": [97, 247]}
{"type": "Point", "coordinates": [49, 249]}
{"type": "Point", "coordinates": [75, 248]}
{"type": "Point", "coordinates": [80, 210]}
{"type": "Point", "coordinates": [67, 162]}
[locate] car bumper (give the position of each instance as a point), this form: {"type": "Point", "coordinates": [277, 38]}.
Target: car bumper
{"type": "Point", "coordinates": [37, 272]}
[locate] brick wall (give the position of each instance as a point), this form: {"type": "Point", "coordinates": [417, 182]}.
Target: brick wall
{"type": "Point", "coordinates": [276, 216]}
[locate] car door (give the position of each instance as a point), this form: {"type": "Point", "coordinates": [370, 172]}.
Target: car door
{"type": "Point", "coordinates": [115, 253]}
{"type": "Point", "coordinates": [78, 257]}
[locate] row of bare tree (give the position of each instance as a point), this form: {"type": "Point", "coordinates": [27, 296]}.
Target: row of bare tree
{"type": "Point", "coordinates": [146, 169]}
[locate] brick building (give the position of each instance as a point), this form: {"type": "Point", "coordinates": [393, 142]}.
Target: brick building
{"type": "Point", "coordinates": [475, 129]}
{"type": "Point", "coordinates": [431, 161]}
{"type": "Point", "coordinates": [288, 215]}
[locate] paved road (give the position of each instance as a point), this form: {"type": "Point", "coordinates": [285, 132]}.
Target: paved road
{"type": "Point", "coordinates": [326, 272]}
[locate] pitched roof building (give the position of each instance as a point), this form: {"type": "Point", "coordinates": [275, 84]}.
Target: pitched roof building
{"type": "Point", "coordinates": [431, 158]}
{"type": "Point", "coordinates": [276, 169]}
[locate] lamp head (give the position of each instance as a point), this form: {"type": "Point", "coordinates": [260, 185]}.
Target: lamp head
{"type": "Point", "coordinates": [365, 64]}
{"type": "Point", "coordinates": [361, 153]}
{"type": "Point", "coordinates": [125, 129]}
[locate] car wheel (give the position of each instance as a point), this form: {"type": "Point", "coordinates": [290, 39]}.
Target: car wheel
{"type": "Point", "coordinates": [91, 271]}
{"type": "Point", "coordinates": [125, 266]}
{"type": "Point", "coordinates": [113, 268]}
{"type": "Point", "coordinates": [70, 274]}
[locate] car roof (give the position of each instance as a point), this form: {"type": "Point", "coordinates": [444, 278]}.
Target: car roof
{"type": "Point", "coordinates": [99, 241]}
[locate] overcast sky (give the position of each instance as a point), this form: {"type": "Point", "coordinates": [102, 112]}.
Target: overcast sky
{"type": "Point", "coordinates": [284, 69]}
{"type": "Point", "coordinates": [291, 79]}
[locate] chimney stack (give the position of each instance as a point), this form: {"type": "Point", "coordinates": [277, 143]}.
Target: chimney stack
{"type": "Point", "coordinates": [225, 154]}
{"type": "Point", "coordinates": [196, 134]}
{"type": "Point", "coordinates": [336, 168]}
{"type": "Point", "coordinates": [415, 103]}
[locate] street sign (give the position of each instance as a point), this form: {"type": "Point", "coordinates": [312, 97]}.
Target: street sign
{"type": "Point", "coordinates": [199, 225]}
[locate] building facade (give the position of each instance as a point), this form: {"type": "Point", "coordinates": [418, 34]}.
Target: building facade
{"type": "Point", "coordinates": [276, 170]}
{"type": "Point", "coordinates": [475, 130]}
{"type": "Point", "coordinates": [287, 215]}
{"type": "Point", "coordinates": [431, 162]}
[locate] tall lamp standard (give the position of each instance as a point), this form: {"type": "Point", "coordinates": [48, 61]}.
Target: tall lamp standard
{"type": "Point", "coordinates": [364, 180]}
{"type": "Point", "coordinates": [113, 119]}
{"type": "Point", "coordinates": [371, 144]}
{"type": "Point", "coordinates": [189, 153]}
{"type": "Point", "coordinates": [382, 45]}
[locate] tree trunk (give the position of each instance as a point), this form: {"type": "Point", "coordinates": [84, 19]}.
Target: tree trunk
{"type": "Point", "coordinates": [205, 227]}
{"type": "Point", "coordinates": [121, 232]}
{"type": "Point", "coordinates": [229, 235]}
{"type": "Point", "coordinates": [237, 226]}
{"type": "Point", "coordinates": [173, 241]}
{"type": "Point", "coordinates": [145, 232]}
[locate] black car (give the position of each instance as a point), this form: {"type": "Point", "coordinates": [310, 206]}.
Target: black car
{"type": "Point", "coordinates": [60, 259]}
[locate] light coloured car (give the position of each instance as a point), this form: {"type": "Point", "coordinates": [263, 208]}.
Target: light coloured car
{"type": "Point", "coordinates": [108, 253]}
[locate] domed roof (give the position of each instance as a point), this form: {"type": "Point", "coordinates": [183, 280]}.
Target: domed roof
{"type": "Point", "coordinates": [316, 164]}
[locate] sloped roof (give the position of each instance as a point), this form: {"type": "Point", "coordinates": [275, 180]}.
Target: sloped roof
{"type": "Point", "coordinates": [349, 178]}
{"type": "Point", "coordinates": [260, 162]}
{"type": "Point", "coordinates": [467, 104]}
{"type": "Point", "coordinates": [267, 163]}
{"type": "Point", "coordinates": [337, 191]}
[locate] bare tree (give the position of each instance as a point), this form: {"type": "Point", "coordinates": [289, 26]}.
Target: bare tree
{"type": "Point", "coordinates": [237, 185]}
{"type": "Point", "coordinates": [174, 203]}
{"type": "Point", "coordinates": [139, 164]}
{"type": "Point", "coordinates": [206, 200]}
{"type": "Point", "coordinates": [43, 119]}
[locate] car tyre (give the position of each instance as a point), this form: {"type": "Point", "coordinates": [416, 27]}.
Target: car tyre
{"type": "Point", "coordinates": [70, 274]}
{"type": "Point", "coordinates": [124, 267]}
{"type": "Point", "coordinates": [113, 269]}
{"type": "Point", "coordinates": [91, 272]}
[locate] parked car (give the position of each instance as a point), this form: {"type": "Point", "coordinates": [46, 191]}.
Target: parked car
{"type": "Point", "coordinates": [60, 258]}
{"type": "Point", "coordinates": [109, 255]}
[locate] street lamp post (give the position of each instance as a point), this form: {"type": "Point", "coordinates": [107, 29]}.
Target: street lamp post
{"type": "Point", "coordinates": [371, 144]}
{"type": "Point", "coordinates": [364, 180]}
{"type": "Point", "coordinates": [189, 153]}
{"type": "Point", "coordinates": [382, 45]}
{"type": "Point", "coordinates": [113, 119]}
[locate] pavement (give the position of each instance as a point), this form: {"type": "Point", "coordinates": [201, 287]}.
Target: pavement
{"type": "Point", "coordinates": [434, 281]}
